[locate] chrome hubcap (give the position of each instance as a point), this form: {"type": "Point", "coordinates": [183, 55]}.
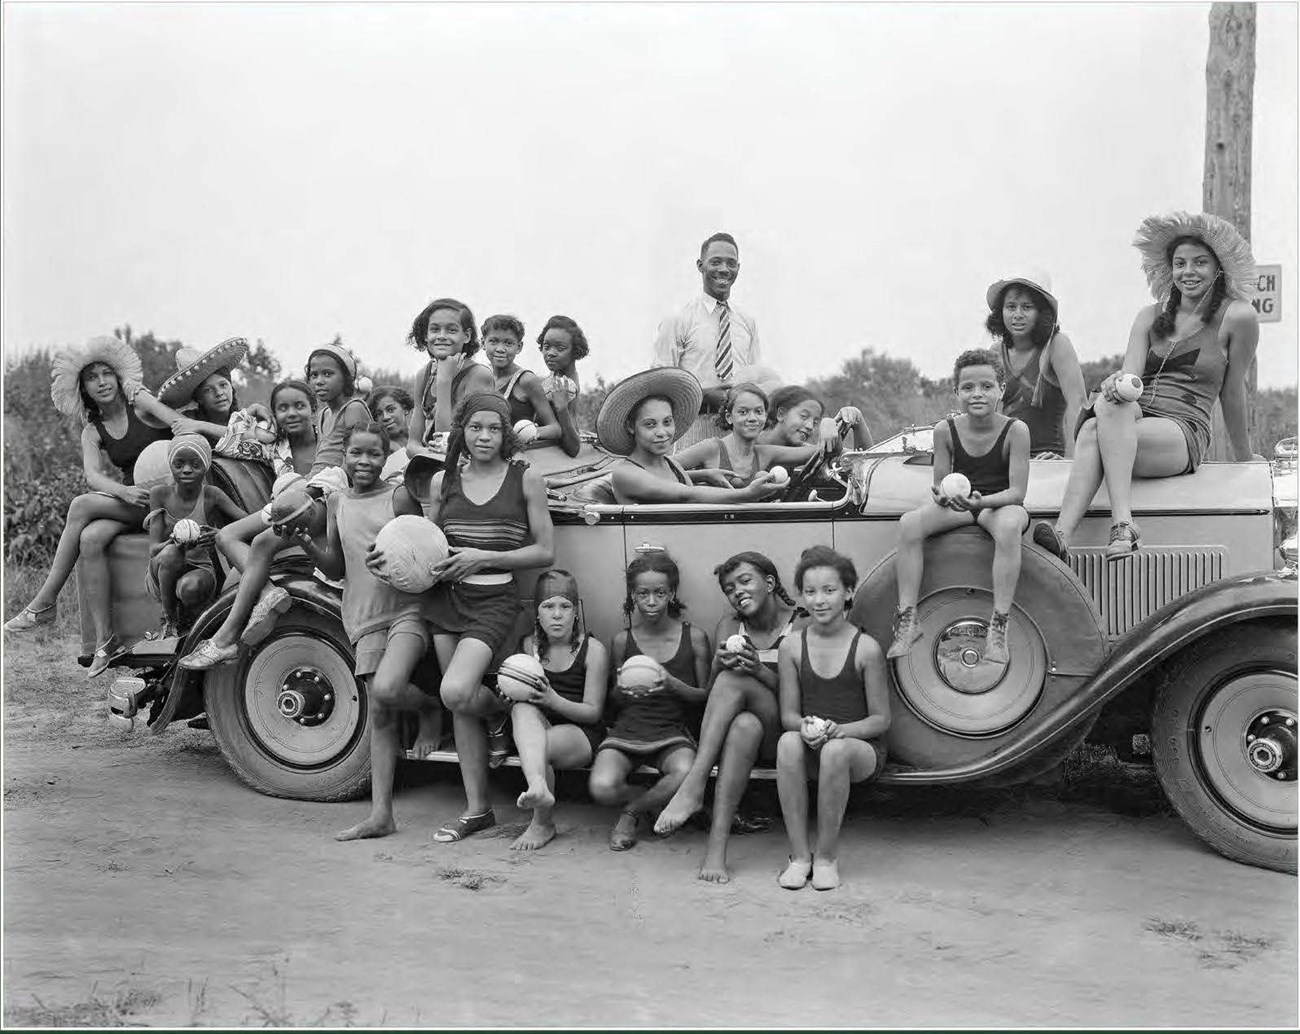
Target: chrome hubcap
{"type": "Point", "coordinates": [959, 658]}
{"type": "Point", "coordinates": [1270, 744]}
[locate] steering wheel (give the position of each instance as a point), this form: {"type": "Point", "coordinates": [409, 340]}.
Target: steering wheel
{"type": "Point", "coordinates": [803, 477]}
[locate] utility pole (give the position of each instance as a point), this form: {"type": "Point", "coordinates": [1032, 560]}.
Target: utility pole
{"type": "Point", "coordinates": [1229, 111]}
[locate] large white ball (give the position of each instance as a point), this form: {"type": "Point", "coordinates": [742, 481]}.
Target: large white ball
{"type": "Point", "coordinates": [525, 431]}
{"type": "Point", "coordinates": [152, 468]}
{"type": "Point", "coordinates": [779, 475]}
{"type": "Point", "coordinates": [640, 672]}
{"type": "Point", "coordinates": [412, 546]}
{"type": "Point", "coordinates": [519, 675]}
{"type": "Point", "coordinates": [955, 486]}
{"type": "Point", "coordinates": [1128, 386]}
{"type": "Point", "coordinates": [186, 531]}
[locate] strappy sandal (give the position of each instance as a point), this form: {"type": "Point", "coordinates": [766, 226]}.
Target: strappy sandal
{"type": "Point", "coordinates": [1124, 540]}
{"type": "Point", "coordinates": [27, 618]}
{"type": "Point", "coordinates": [498, 742]}
{"type": "Point", "coordinates": [464, 826]}
{"type": "Point", "coordinates": [109, 650]}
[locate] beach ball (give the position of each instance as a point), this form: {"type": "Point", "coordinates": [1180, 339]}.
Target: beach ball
{"type": "Point", "coordinates": [412, 547]}
{"type": "Point", "coordinates": [151, 466]}
{"type": "Point", "coordinates": [186, 531]}
{"type": "Point", "coordinates": [519, 676]}
{"type": "Point", "coordinates": [640, 673]}
{"type": "Point", "coordinates": [525, 431]}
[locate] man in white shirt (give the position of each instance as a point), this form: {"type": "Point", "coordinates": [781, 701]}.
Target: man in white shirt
{"type": "Point", "coordinates": [710, 337]}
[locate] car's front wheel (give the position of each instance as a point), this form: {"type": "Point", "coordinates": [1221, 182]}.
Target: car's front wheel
{"type": "Point", "coordinates": [290, 717]}
{"type": "Point", "coordinates": [1223, 736]}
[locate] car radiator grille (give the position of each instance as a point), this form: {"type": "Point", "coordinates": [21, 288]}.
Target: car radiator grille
{"type": "Point", "coordinates": [1131, 590]}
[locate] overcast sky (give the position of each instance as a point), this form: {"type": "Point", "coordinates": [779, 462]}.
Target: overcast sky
{"type": "Point", "coordinates": [292, 171]}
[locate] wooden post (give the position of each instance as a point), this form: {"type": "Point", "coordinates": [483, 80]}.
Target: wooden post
{"type": "Point", "coordinates": [1229, 107]}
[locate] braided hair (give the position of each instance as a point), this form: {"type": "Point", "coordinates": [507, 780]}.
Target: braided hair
{"type": "Point", "coordinates": [654, 563]}
{"type": "Point", "coordinates": [764, 566]}
{"type": "Point", "coordinates": [1164, 324]}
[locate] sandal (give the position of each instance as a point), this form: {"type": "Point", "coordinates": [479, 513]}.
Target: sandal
{"type": "Point", "coordinates": [795, 876]}
{"type": "Point", "coordinates": [465, 825]}
{"type": "Point", "coordinates": [623, 835]}
{"type": "Point", "coordinates": [498, 742]}
{"type": "Point", "coordinates": [109, 650]}
{"type": "Point", "coordinates": [1124, 540]}
{"type": "Point", "coordinates": [1047, 537]}
{"type": "Point", "coordinates": [208, 655]}
{"type": "Point", "coordinates": [27, 618]}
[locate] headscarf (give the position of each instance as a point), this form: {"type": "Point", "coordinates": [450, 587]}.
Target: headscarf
{"type": "Point", "coordinates": [557, 582]}
{"type": "Point", "coordinates": [476, 403]}
{"type": "Point", "coordinates": [194, 443]}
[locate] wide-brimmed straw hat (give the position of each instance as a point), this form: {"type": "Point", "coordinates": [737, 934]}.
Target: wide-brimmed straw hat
{"type": "Point", "coordinates": [680, 388]}
{"type": "Point", "coordinates": [1035, 279]}
{"type": "Point", "coordinates": [194, 367]}
{"type": "Point", "coordinates": [1231, 249]}
{"type": "Point", "coordinates": [65, 372]}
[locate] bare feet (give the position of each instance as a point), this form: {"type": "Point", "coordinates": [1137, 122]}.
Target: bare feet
{"type": "Point", "coordinates": [373, 826]}
{"type": "Point", "coordinates": [536, 797]}
{"type": "Point", "coordinates": [429, 735]}
{"type": "Point", "coordinates": [535, 836]}
{"type": "Point", "coordinates": [714, 869]}
{"type": "Point", "coordinates": [685, 803]}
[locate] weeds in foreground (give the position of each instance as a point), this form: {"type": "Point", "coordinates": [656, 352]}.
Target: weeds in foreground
{"type": "Point", "coordinates": [469, 879]}
{"type": "Point", "coordinates": [1215, 949]}
{"type": "Point", "coordinates": [122, 1009]}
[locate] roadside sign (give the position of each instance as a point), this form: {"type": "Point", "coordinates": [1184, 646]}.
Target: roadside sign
{"type": "Point", "coordinates": [1268, 294]}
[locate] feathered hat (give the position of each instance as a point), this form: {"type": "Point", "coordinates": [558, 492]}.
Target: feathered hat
{"type": "Point", "coordinates": [65, 372]}
{"type": "Point", "coordinates": [194, 367]}
{"type": "Point", "coordinates": [1231, 249]}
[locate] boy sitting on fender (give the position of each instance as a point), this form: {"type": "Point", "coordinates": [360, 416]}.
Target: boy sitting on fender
{"type": "Point", "coordinates": [992, 451]}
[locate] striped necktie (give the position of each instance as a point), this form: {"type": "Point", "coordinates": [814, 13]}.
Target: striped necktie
{"type": "Point", "coordinates": [723, 363]}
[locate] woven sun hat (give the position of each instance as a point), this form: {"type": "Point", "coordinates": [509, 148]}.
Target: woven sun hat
{"type": "Point", "coordinates": [65, 372]}
{"type": "Point", "coordinates": [194, 367]}
{"type": "Point", "coordinates": [340, 352]}
{"type": "Point", "coordinates": [681, 389]}
{"type": "Point", "coordinates": [1232, 250]}
{"type": "Point", "coordinates": [1035, 279]}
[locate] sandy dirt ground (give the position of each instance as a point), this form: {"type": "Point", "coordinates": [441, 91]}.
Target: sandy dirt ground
{"type": "Point", "coordinates": [143, 884]}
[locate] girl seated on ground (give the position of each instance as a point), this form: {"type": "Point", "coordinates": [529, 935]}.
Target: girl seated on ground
{"type": "Point", "coordinates": [563, 343]}
{"type": "Point", "coordinates": [640, 419]}
{"type": "Point", "coordinates": [992, 451]}
{"type": "Point", "coordinates": [445, 330]}
{"type": "Point", "coordinates": [202, 391]}
{"type": "Point", "coordinates": [847, 745]}
{"type": "Point", "coordinates": [503, 337]}
{"type": "Point", "coordinates": [1044, 384]}
{"type": "Point", "coordinates": [384, 625]}
{"type": "Point", "coordinates": [650, 726]}
{"type": "Point", "coordinates": [734, 459]}
{"type": "Point", "coordinates": [742, 717]}
{"type": "Point", "coordinates": [391, 406]}
{"type": "Point", "coordinates": [251, 544]}
{"type": "Point", "coordinates": [795, 419]}
{"type": "Point", "coordinates": [560, 727]}
{"type": "Point", "coordinates": [183, 573]}
{"type": "Point", "coordinates": [1189, 352]}
{"type": "Point", "coordinates": [99, 385]}
{"type": "Point", "coordinates": [493, 510]}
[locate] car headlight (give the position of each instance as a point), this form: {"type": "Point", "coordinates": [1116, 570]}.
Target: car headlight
{"type": "Point", "coordinates": [1284, 468]}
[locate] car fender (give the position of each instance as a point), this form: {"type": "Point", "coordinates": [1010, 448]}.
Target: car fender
{"type": "Point", "coordinates": [1244, 597]}
{"type": "Point", "coordinates": [306, 591]}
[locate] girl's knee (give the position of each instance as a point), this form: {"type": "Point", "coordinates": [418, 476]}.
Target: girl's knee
{"type": "Point", "coordinates": [457, 695]}
{"type": "Point", "coordinates": [195, 591]}
{"type": "Point", "coordinates": [384, 691]}
{"type": "Point", "coordinates": [1010, 526]}
{"type": "Point", "coordinates": [745, 726]}
{"type": "Point", "coordinates": [79, 509]}
{"type": "Point", "coordinates": [834, 757]}
{"type": "Point", "coordinates": [911, 528]}
{"type": "Point", "coordinates": [603, 786]}
{"type": "Point", "coordinates": [96, 536]}
{"type": "Point", "coordinates": [789, 748]}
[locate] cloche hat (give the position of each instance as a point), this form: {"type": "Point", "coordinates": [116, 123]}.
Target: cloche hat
{"type": "Point", "coordinates": [194, 367]}
{"type": "Point", "coordinates": [1231, 249]}
{"type": "Point", "coordinates": [681, 389]}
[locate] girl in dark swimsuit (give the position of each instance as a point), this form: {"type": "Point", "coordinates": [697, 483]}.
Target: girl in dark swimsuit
{"type": "Point", "coordinates": [853, 703]}
{"type": "Point", "coordinates": [742, 715]}
{"type": "Point", "coordinates": [732, 460]}
{"type": "Point", "coordinates": [100, 385]}
{"type": "Point", "coordinates": [503, 337]}
{"type": "Point", "coordinates": [445, 330]}
{"type": "Point", "coordinates": [561, 727]}
{"type": "Point", "coordinates": [652, 727]}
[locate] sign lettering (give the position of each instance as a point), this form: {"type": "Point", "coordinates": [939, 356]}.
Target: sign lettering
{"type": "Point", "coordinates": [1268, 294]}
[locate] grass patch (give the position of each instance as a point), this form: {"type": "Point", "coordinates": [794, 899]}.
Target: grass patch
{"type": "Point", "coordinates": [1177, 929]}
{"type": "Point", "coordinates": [20, 585]}
{"type": "Point", "coordinates": [122, 1009]}
{"type": "Point", "coordinates": [469, 879]}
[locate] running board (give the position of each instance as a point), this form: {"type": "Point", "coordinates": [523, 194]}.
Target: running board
{"type": "Point", "coordinates": [449, 757]}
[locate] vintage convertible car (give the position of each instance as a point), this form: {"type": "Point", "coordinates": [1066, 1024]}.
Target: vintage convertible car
{"type": "Point", "coordinates": [1191, 642]}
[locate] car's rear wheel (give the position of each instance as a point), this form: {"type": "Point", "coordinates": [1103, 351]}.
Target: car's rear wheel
{"type": "Point", "coordinates": [1223, 736]}
{"type": "Point", "coordinates": [290, 717]}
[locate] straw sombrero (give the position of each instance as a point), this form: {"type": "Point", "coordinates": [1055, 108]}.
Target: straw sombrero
{"type": "Point", "coordinates": [1232, 250]}
{"type": "Point", "coordinates": [65, 372]}
{"type": "Point", "coordinates": [1035, 280]}
{"type": "Point", "coordinates": [194, 367]}
{"type": "Point", "coordinates": [681, 389]}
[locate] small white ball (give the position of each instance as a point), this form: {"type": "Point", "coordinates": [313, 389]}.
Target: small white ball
{"type": "Point", "coordinates": [186, 531]}
{"type": "Point", "coordinates": [735, 643]}
{"type": "Point", "coordinates": [955, 486]}
{"type": "Point", "coordinates": [1128, 386]}
{"type": "Point", "coordinates": [526, 431]}
{"type": "Point", "coordinates": [812, 728]}
{"type": "Point", "coordinates": [779, 475]}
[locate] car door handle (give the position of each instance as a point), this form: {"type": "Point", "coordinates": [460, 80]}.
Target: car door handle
{"type": "Point", "coordinates": [646, 547]}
